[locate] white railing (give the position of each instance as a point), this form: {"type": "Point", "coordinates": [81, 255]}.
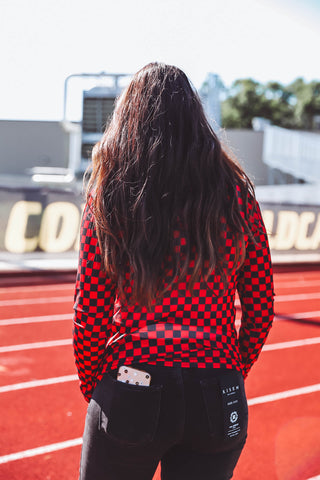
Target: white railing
{"type": "Point", "coordinates": [293, 152]}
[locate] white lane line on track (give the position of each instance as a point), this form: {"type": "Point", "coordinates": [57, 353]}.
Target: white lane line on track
{"type": "Point", "coordinates": [69, 298]}
{"type": "Point", "coordinates": [35, 345]}
{"type": "Point", "coordinates": [305, 314]}
{"type": "Point", "coordinates": [41, 450]}
{"type": "Point", "coordinates": [38, 288]}
{"type": "Point", "coordinates": [314, 478]}
{"type": "Point", "coordinates": [39, 319]}
{"type": "Point", "coordinates": [78, 441]}
{"type": "Point", "coordinates": [281, 283]}
{"type": "Point", "coordinates": [67, 316]}
{"type": "Point", "coordinates": [38, 383]}
{"type": "Point", "coordinates": [286, 394]}
{"type": "Point", "coordinates": [62, 286]}
{"type": "Point", "coordinates": [35, 301]}
{"type": "Point", "coordinates": [296, 297]}
{"type": "Point", "coordinates": [68, 341]}
{"type": "Point", "coordinates": [289, 298]}
{"type": "Point", "coordinates": [65, 286]}
{"type": "Point", "coordinates": [291, 344]}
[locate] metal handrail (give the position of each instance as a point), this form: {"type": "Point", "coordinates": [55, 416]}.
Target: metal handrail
{"type": "Point", "coordinates": [115, 76]}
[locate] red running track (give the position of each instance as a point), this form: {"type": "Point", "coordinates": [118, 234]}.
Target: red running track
{"type": "Point", "coordinates": [42, 424]}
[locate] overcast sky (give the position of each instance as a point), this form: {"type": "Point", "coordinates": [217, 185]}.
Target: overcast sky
{"type": "Point", "coordinates": [44, 41]}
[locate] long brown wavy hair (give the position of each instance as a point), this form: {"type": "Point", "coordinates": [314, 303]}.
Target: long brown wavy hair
{"type": "Point", "coordinates": [159, 163]}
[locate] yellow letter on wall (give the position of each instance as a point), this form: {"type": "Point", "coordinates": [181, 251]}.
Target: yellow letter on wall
{"type": "Point", "coordinates": [287, 229]}
{"type": "Point", "coordinates": [15, 240]}
{"type": "Point", "coordinates": [304, 242]}
{"type": "Point", "coordinates": [59, 227]}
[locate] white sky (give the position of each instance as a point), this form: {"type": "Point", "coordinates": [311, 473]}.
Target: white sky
{"type": "Point", "coordinates": [43, 41]}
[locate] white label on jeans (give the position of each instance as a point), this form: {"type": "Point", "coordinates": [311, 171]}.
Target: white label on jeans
{"type": "Point", "coordinates": [230, 396]}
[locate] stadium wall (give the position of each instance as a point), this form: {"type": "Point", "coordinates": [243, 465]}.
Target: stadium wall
{"type": "Point", "coordinates": [47, 220]}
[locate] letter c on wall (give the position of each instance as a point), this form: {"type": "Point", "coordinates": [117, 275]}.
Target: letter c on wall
{"type": "Point", "coordinates": [15, 240]}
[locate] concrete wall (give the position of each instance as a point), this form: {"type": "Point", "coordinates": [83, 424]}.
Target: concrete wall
{"type": "Point", "coordinates": [246, 146]}
{"type": "Point", "coordinates": [27, 144]}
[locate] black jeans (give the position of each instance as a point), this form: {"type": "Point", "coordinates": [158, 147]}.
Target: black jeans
{"type": "Point", "coordinates": [192, 420]}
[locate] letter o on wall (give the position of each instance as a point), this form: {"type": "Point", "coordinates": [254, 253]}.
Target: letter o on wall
{"type": "Point", "coordinates": [59, 227]}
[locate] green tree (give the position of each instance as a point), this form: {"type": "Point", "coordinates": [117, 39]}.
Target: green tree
{"type": "Point", "coordinates": [292, 106]}
{"type": "Point", "coordinates": [279, 104]}
{"type": "Point", "coordinates": [244, 102]}
{"type": "Point", "coordinates": [307, 102]}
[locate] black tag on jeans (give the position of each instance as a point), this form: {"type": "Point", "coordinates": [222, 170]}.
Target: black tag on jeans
{"type": "Point", "coordinates": [232, 405]}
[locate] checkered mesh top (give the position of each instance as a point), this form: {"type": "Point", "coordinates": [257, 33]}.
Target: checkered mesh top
{"type": "Point", "coordinates": [195, 330]}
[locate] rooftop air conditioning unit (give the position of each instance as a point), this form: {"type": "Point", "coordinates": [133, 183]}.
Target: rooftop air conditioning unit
{"type": "Point", "coordinates": [97, 108]}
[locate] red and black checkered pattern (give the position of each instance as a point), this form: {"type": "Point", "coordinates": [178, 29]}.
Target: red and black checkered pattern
{"type": "Point", "coordinates": [195, 330]}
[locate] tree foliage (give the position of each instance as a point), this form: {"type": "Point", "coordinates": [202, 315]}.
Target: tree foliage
{"type": "Point", "coordinates": [293, 106]}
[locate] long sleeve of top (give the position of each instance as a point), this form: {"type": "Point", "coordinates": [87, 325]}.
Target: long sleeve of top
{"type": "Point", "coordinates": [93, 307]}
{"type": "Point", "coordinates": [255, 288]}
{"type": "Point", "coordinates": [193, 330]}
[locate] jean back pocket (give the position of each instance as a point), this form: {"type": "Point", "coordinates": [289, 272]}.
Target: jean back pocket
{"type": "Point", "coordinates": [130, 413]}
{"type": "Point", "coordinates": [226, 406]}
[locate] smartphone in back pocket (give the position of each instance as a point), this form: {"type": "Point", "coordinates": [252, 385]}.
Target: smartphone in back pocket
{"type": "Point", "coordinates": [133, 376]}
